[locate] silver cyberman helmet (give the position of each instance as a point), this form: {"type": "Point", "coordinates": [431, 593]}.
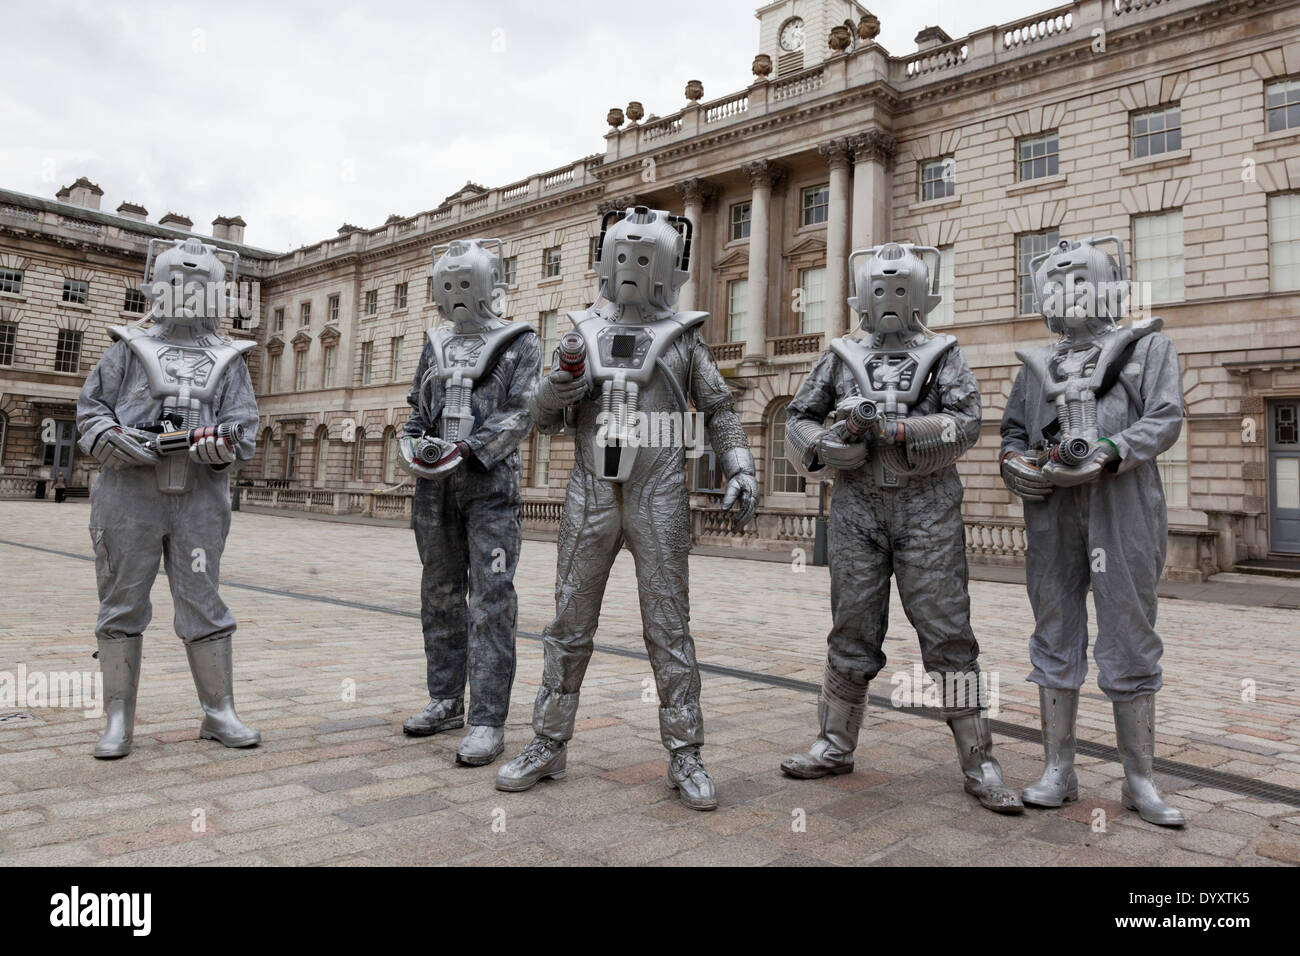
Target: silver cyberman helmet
{"type": "Point", "coordinates": [186, 282]}
{"type": "Point", "coordinates": [1078, 281]}
{"type": "Point", "coordinates": [643, 258]}
{"type": "Point", "coordinates": [469, 281]}
{"type": "Point", "coordinates": [893, 289]}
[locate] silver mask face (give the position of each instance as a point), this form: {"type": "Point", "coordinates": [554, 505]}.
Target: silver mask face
{"type": "Point", "coordinates": [469, 283]}
{"type": "Point", "coordinates": [892, 289]}
{"type": "Point", "coordinates": [644, 258]}
{"type": "Point", "coordinates": [1078, 286]}
{"type": "Point", "coordinates": [186, 284]}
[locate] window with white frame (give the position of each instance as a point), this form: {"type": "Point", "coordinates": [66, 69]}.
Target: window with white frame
{"type": "Point", "coordinates": [740, 215]}
{"type": "Point", "coordinates": [304, 314]}
{"type": "Point", "coordinates": [1037, 156]}
{"type": "Point", "coordinates": [134, 301]}
{"type": "Point", "coordinates": [1284, 241]}
{"type": "Point", "coordinates": [329, 360]}
{"type": "Point", "coordinates": [322, 455]}
{"type": "Point", "coordinates": [737, 309]}
{"type": "Point", "coordinates": [1028, 245]}
{"type": "Point", "coordinates": [1282, 104]}
{"type": "Point", "coordinates": [268, 453]}
{"type": "Point", "coordinates": [76, 291]}
{"type": "Point", "coordinates": [1158, 255]}
{"type": "Point", "coordinates": [551, 262]}
{"type": "Point", "coordinates": [8, 338]}
{"type": "Point", "coordinates": [11, 281]}
{"type": "Point", "coordinates": [290, 455]}
{"type": "Point", "coordinates": [372, 302]}
{"type": "Point", "coordinates": [367, 362]}
{"type": "Point", "coordinates": [279, 320]}
{"type": "Point", "coordinates": [1157, 131]}
{"type": "Point", "coordinates": [812, 300]}
{"type": "Point", "coordinates": [593, 245]}
{"type": "Point", "coordinates": [542, 461]}
{"type": "Point", "coordinates": [1172, 464]}
{"type": "Point", "coordinates": [4, 430]}
{"type": "Point", "coordinates": [938, 178]}
{"type": "Point", "coordinates": [400, 295]}
{"type": "Point", "coordinates": [816, 204]}
{"type": "Point", "coordinates": [784, 479]}
{"type": "Point", "coordinates": [273, 374]}
{"type": "Point", "coordinates": [945, 312]}
{"type": "Point", "coordinates": [67, 351]}
{"type": "Point", "coordinates": [549, 332]}
{"type": "Point", "coordinates": [332, 310]}
{"type": "Point", "coordinates": [300, 370]}
{"type": "Point", "coordinates": [509, 265]}
{"type": "Point", "coordinates": [390, 456]}
{"type": "Point", "coordinates": [359, 456]}
{"type": "Point", "coordinates": [396, 351]}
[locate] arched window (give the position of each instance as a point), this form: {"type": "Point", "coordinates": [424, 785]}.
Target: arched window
{"type": "Point", "coordinates": [390, 456]}
{"type": "Point", "coordinates": [322, 455]}
{"type": "Point", "coordinates": [268, 453]}
{"type": "Point", "coordinates": [359, 457]}
{"type": "Point", "coordinates": [4, 430]}
{"type": "Point", "coordinates": [784, 479]}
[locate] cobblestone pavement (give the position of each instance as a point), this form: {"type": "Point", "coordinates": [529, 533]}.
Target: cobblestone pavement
{"type": "Point", "coordinates": [336, 782]}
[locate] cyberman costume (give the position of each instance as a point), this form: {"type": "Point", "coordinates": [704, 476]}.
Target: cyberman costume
{"type": "Point", "coordinates": [907, 406]}
{"type": "Point", "coordinates": [1085, 420]}
{"type": "Point", "coordinates": [630, 357]}
{"type": "Point", "coordinates": [469, 411]}
{"type": "Point", "coordinates": [166, 410]}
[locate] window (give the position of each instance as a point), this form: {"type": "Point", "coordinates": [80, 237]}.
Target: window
{"type": "Point", "coordinates": [372, 302]}
{"type": "Point", "coordinates": [704, 475]}
{"type": "Point", "coordinates": [4, 429]}
{"type": "Point", "coordinates": [1173, 470]}
{"type": "Point", "coordinates": [1028, 245]}
{"type": "Point", "coordinates": [322, 455]}
{"type": "Point", "coordinates": [816, 204]}
{"type": "Point", "coordinates": [359, 457]}
{"type": "Point", "coordinates": [740, 220]}
{"type": "Point", "coordinates": [279, 320]}
{"type": "Point", "coordinates": [367, 362]}
{"type": "Point", "coordinates": [428, 289]}
{"type": "Point", "coordinates": [785, 480]}
{"type": "Point", "coordinates": [812, 300]}
{"type": "Point", "coordinates": [11, 280]}
{"type": "Point", "coordinates": [300, 370]}
{"type": "Point", "coordinates": [592, 245]}
{"type": "Point", "coordinates": [290, 455]}
{"type": "Point", "coordinates": [548, 331]}
{"type": "Point", "coordinates": [938, 178]}
{"type": "Point", "coordinates": [329, 359]}
{"type": "Point", "coordinates": [399, 294]}
{"type": "Point", "coordinates": [1158, 255]}
{"type": "Point", "coordinates": [67, 352]}
{"type": "Point", "coordinates": [332, 309]}
{"type": "Point", "coordinates": [390, 456]}
{"type": "Point", "coordinates": [1157, 131]}
{"type": "Point", "coordinates": [268, 450]}
{"type": "Point", "coordinates": [8, 336]}
{"type": "Point", "coordinates": [1037, 156]}
{"type": "Point", "coordinates": [1282, 105]}
{"type": "Point", "coordinates": [508, 264]}
{"type": "Point", "coordinates": [134, 301]}
{"type": "Point", "coordinates": [551, 262]}
{"type": "Point", "coordinates": [75, 291]}
{"type": "Point", "coordinates": [1284, 241]}
{"type": "Point", "coordinates": [395, 350]}
{"type": "Point", "coordinates": [542, 461]}
{"type": "Point", "coordinates": [737, 309]}
{"type": "Point", "coordinates": [945, 312]}
{"type": "Point", "coordinates": [274, 374]}
{"type": "Point", "coordinates": [304, 314]}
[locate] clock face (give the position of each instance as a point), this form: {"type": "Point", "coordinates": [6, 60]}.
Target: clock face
{"type": "Point", "coordinates": [792, 35]}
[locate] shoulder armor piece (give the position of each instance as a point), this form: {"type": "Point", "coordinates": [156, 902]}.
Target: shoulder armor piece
{"type": "Point", "coordinates": [470, 354]}
{"type": "Point", "coordinates": [189, 367]}
{"type": "Point", "coordinates": [902, 374]}
{"type": "Point", "coordinates": [1090, 365]}
{"type": "Point", "coordinates": [630, 351]}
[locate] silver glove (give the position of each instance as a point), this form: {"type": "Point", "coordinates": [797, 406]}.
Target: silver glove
{"type": "Point", "coordinates": [559, 390]}
{"type": "Point", "coordinates": [835, 452]}
{"type": "Point", "coordinates": [212, 449]}
{"type": "Point", "coordinates": [116, 449]}
{"type": "Point", "coordinates": [448, 459]}
{"type": "Point", "coordinates": [1024, 478]}
{"type": "Point", "coordinates": [1067, 476]}
{"type": "Point", "coordinates": [742, 494]}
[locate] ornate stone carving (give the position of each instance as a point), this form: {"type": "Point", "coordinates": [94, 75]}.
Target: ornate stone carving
{"type": "Point", "coordinates": [869, 26]}
{"type": "Point", "coordinates": [839, 39]}
{"type": "Point", "coordinates": [837, 152]}
{"type": "Point", "coordinates": [619, 203]}
{"type": "Point", "coordinates": [614, 117]}
{"type": "Point", "coordinates": [694, 90]}
{"type": "Point", "coordinates": [635, 111]}
{"type": "Point", "coordinates": [762, 66]}
{"type": "Point", "coordinates": [696, 190]}
{"type": "Point", "coordinates": [874, 145]}
{"type": "Point", "coordinates": [763, 172]}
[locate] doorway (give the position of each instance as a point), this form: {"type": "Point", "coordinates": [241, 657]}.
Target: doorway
{"type": "Point", "coordinates": [1284, 475]}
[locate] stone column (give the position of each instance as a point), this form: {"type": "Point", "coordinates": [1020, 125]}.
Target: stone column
{"type": "Point", "coordinates": [872, 152]}
{"type": "Point", "coordinates": [837, 154]}
{"type": "Point", "coordinates": [695, 194]}
{"type": "Point", "coordinates": [763, 175]}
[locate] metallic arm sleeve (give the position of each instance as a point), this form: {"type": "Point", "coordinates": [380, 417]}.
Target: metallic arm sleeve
{"type": "Point", "coordinates": [712, 398]}
{"type": "Point", "coordinates": [508, 425]}
{"type": "Point", "coordinates": [1162, 406]}
{"type": "Point", "coordinates": [99, 395]}
{"type": "Point", "coordinates": [806, 413]}
{"type": "Point", "coordinates": [236, 404]}
{"type": "Point", "coordinates": [417, 423]}
{"type": "Point", "coordinates": [937, 440]}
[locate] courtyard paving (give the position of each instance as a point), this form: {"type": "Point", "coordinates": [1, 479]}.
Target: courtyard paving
{"type": "Point", "coordinates": [329, 661]}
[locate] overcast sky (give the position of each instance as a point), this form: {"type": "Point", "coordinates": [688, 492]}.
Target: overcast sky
{"type": "Point", "coordinates": [300, 116]}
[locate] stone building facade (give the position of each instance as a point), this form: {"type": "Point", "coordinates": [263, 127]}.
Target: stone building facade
{"type": "Point", "coordinates": [1172, 124]}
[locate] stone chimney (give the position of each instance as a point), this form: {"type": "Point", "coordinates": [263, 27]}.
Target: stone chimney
{"type": "Point", "coordinates": [82, 193]}
{"type": "Point", "coordinates": [931, 37]}
{"type": "Point", "coordinates": [235, 229]}
{"type": "Point", "coordinates": [177, 221]}
{"type": "Point", "coordinates": [221, 227]}
{"type": "Point", "coordinates": [130, 210]}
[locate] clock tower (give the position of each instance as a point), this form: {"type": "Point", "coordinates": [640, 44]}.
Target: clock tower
{"type": "Point", "coordinates": [794, 33]}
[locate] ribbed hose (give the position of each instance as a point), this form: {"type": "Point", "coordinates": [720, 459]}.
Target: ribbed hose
{"type": "Point", "coordinates": [926, 450]}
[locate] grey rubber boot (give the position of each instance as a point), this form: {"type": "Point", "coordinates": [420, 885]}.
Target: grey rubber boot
{"type": "Point", "coordinates": [840, 708]}
{"type": "Point", "coordinates": [119, 662]}
{"type": "Point", "coordinates": [686, 775]}
{"type": "Point", "coordinates": [437, 716]}
{"type": "Point", "coordinates": [1135, 732]}
{"type": "Point", "coordinates": [212, 669]}
{"type": "Point", "coordinates": [481, 746]}
{"type": "Point", "coordinates": [1058, 711]}
{"type": "Point", "coordinates": [544, 757]}
{"type": "Point", "coordinates": [980, 767]}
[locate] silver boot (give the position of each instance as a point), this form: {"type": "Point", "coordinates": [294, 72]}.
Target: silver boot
{"type": "Point", "coordinates": [1057, 711]}
{"type": "Point", "coordinates": [840, 709]}
{"type": "Point", "coordinates": [1135, 732]}
{"type": "Point", "coordinates": [437, 716]}
{"type": "Point", "coordinates": [983, 775]}
{"type": "Point", "coordinates": [481, 746]}
{"type": "Point", "coordinates": [119, 661]}
{"type": "Point", "coordinates": [686, 775]}
{"type": "Point", "coordinates": [211, 667]}
{"type": "Point", "coordinates": [542, 758]}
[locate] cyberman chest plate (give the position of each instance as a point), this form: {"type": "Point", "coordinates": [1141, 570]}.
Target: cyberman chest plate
{"type": "Point", "coordinates": [460, 360]}
{"type": "Point", "coordinates": [621, 360]}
